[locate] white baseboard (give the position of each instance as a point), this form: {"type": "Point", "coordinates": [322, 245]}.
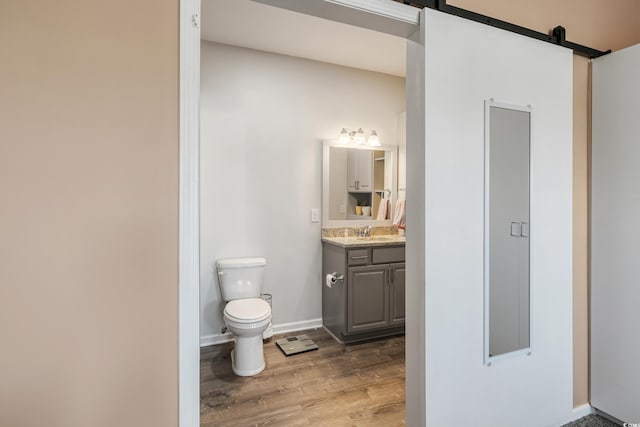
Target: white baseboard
{"type": "Point", "coordinates": [215, 339]}
{"type": "Point", "coordinates": [581, 411]}
{"type": "Point", "coordinates": [282, 328]}
{"type": "Point", "coordinates": [297, 326]}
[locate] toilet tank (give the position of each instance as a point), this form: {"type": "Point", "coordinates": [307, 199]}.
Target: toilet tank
{"type": "Point", "coordinates": [240, 277]}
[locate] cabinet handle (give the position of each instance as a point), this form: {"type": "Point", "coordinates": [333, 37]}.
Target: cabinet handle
{"type": "Point", "coordinates": [519, 229]}
{"type": "Point", "coordinates": [335, 275]}
{"type": "Point", "coordinates": [359, 257]}
{"type": "Point", "coordinates": [516, 229]}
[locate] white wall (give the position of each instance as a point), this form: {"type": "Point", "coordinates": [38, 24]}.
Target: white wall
{"type": "Point", "coordinates": [615, 206]}
{"type": "Point", "coordinates": [467, 63]}
{"type": "Point", "coordinates": [264, 117]}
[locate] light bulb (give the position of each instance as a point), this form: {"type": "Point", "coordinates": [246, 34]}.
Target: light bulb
{"type": "Point", "coordinates": [359, 138]}
{"type": "Point", "coordinates": [344, 137]}
{"type": "Point", "coordinates": [373, 140]}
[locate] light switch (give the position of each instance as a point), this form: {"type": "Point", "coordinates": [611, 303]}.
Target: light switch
{"type": "Point", "coordinates": [315, 215]}
{"type": "Point", "coordinates": [342, 209]}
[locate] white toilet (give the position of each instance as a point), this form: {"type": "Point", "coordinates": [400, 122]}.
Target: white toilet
{"type": "Point", "coordinates": [246, 314]}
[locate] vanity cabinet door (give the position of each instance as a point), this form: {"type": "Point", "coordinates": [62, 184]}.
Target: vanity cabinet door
{"type": "Point", "coordinates": [359, 168]}
{"type": "Point", "coordinates": [396, 303]}
{"type": "Point", "coordinates": [368, 298]}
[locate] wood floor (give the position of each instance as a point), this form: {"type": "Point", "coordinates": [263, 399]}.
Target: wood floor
{"type": "Point", "coordinates": [337, 385]}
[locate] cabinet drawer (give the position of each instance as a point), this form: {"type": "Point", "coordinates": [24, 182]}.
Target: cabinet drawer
{"type": "Point", "coordinates": [384, 255]}
{"type": "Point", "coordinates": [358, 257]}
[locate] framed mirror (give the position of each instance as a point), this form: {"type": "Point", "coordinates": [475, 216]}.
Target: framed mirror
{"type": "Point", "coordinates": [507, 230]}
{"type": "Point", "coordinates": [359, 184]}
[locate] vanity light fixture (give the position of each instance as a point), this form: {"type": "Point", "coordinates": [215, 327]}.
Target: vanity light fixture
{"type": "Point", "coordinates": [348, 136]}
{"type": "Point", "coordinates": [373, 140]}
{"type": "Point", "coordinates": [345, 137]}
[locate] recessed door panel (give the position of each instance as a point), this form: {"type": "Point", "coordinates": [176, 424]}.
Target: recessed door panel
{"type": "Point", "coordinates": [397, 303]}
{"type": "Point", "coordinates": [368, 296]}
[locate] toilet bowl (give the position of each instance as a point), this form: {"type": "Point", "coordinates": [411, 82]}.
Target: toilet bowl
{"type": "Point", "coordinates": [247, 319]}
{"type": "Point", "coordinates": [246, 315]}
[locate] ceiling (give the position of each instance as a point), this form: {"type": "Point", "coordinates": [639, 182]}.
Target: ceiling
{"type": "Point", "coordinates": [257, 26]}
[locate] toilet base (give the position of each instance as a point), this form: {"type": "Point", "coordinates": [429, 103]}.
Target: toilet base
{"type": "Point", "coordinates": [244, 373]}
{"type": "Point", "coordinates": [247, 358]}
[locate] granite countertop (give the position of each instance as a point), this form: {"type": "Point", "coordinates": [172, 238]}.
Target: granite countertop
{"type": "Point", "coordinates": [352, 241]}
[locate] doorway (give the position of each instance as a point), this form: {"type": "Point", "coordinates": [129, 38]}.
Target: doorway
{"type": "Point", "coordinates": [187, 405]}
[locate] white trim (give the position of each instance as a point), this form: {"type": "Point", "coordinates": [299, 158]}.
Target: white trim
{"type": "Point", "coordinates": [581, 411]}
{"type": "Point", "coordinates": [189, 227]}
{"type": "Point", "coordinates": [215, 339]}
{"type": "Point", "coordinates": [386, 16]}
{"type": "Point", "coordinates": [283, 328]}
{"type": "Point", "coordinates": [387, 8]}
{"type": "Point", "coordinates": [611, 418]}
{"type": "Point", "coordinates": [415, 249]}
{"type": "Point", "coordinates": [297, 326]}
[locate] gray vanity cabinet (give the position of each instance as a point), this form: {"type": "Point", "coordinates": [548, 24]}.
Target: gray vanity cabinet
{"type": "Point", "coordinates": [367, 298]}
{"type": "Point", "coordinates": [369, 301]}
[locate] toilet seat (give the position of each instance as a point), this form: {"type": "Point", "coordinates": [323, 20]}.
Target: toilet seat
{"type": "Point", "coordinates": [247, 310]}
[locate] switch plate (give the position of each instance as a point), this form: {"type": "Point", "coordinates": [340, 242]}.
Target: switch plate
{"type": "Point", "coordinates": [315, 215]}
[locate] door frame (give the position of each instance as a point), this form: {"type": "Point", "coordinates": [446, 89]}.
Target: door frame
{"type": "Point", "coordinates": [189, 218]}
{"type": "Point", "coordinates": [380, 15]}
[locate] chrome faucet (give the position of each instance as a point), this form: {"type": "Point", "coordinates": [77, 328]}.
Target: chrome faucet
{"type": "Point", "coordinates": [363, 231]}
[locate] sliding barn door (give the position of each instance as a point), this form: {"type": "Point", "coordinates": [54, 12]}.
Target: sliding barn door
{"type": "Point", "coordinates": [466, 65]}
{"type": "Point", "coordinates": [615, 235]}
